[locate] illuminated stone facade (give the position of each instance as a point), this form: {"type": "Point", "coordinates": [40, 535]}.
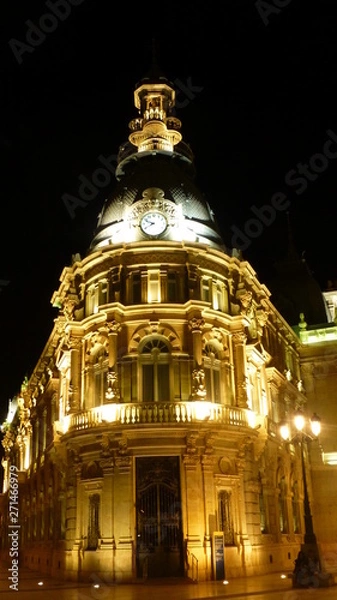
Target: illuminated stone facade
{"type": "Point", "coordinates": [149, 427]}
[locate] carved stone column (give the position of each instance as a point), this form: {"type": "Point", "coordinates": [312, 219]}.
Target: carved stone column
{"type": "Point", "coordinates": [74, 466]}
{"type": "Point", "coordinates": [239, 341]}
{"type": "Point", "coordinates": [114, 329]}
{"type": "Point", "coordinates": [194, 516]}
{"type": "Point", "coordinates": [208, 461]}
{"type": "Point", "coordinates": [107, 465]}
{"type": "Point", "coordinates": [196, 325]}
{"type": "Point", "coordinates": [113, 390]}
{"type": "Point", "coordinates": [75, 369]}
{"type": "Point", "coordinates": [123, 506]}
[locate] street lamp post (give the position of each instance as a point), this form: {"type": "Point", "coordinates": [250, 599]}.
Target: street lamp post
{"type": "Point", "coordinates": [302, 438]}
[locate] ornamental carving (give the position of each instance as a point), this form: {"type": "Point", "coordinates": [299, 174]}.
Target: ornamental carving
{"type": "Point", "coordinates": [113, 392]}
{"type": "Point", "coordinates": [106, 451]}
{"type": "Point", "coordinates": [226, 466]}
{"type": "Point", "coordinates": [73, 343]}
{"type": "Point", "coordinates": [191, 443]}
{"type": "Point", "coordinates": [209, 442]}
{"type": "Point", "coordinates": [239, 338]}
{"type": "Point", "coordinates": [68, 308]}
{"type": "Point", "coordinates": [113, 326]}
{"type": "Point", "coordinates": [246, 299]}
{"type": "Point", "coordinates": [198, 384]}
{"type": "Point", "coordinates": [196, 324]}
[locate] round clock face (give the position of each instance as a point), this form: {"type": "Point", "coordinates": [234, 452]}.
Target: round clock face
{"type": "Point", "coordinates": [153, 223]}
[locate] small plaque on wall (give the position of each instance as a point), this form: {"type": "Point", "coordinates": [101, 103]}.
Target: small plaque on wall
{"type": "Point", "coordinates": [218, 555]}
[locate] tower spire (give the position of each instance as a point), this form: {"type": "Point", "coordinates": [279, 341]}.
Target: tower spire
{"type": "Point", "coordinates": [155, 62]}
{"type": "Point", "coordinates": [156, 128]}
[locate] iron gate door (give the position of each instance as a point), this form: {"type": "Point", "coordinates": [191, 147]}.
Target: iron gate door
{"type": "Point", "coordinates": [159, 527]}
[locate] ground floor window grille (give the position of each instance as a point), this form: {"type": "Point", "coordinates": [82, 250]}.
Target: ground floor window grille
{"type": "Point", "coordinates": [93, 526]}
{"type": "Point", "coordinates": [226, 517]}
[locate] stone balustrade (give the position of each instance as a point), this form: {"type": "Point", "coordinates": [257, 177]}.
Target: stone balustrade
{"type": "Point", "coordinates": [155, 412]}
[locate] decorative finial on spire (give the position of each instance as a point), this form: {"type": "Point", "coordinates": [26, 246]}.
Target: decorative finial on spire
{"type": "Point", "coordinates": [155, 70]}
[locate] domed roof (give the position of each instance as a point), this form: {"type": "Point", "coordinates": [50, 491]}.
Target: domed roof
{"type": "Point", "coordinates": [155, 175]}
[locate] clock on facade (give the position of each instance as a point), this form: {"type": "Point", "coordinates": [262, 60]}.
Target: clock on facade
{"type": "Point", "coordinates": [153, 223]}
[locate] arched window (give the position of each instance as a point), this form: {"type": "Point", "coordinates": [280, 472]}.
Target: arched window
{"type": "Point", "coordinates": [155, 371]}
{"type": "Point", "coordinates": [212, 372]}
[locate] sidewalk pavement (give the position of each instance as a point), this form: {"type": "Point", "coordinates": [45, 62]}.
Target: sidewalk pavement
{"type": "Point", "coordinates": [32, 581]}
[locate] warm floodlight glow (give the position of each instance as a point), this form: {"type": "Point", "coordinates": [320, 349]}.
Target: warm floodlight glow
{"type": "Point", "coordinates": [299, 420]}
{"type": "Point", "coordinates": [315, 422]}
{"type": "Point", "coordinates": [284, 431]}
{"type": "Point", "coordinates": [40, 583]}
{"type": "Point", "coordinates": [330, 458]}
{"type": "Point", "coordinates": [225, 582]}
{"type": "Point", "coordinates": [251, 418]}
{"type": "Point", "coordinates": [283, 576]}
{"type": "Point", "coordinates": [202, 410]}
{"type": "Point", "coordinates": [109, 412]}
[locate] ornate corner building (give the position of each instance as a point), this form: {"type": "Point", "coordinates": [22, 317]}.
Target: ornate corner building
{"type": "Point", "coordinates": [148, 430]}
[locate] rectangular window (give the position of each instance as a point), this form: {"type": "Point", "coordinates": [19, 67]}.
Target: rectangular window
{"type": "Point", "coordinates": [92, 300]}
{"type": "Point", "coordinates": [153, 288]}
{"type": "Point", "coordinates": [136, 288]}
{"type": "Point", "coordinates": [126, 382]}
{"type": "Point", "coordinates": [217, 296]}
{"type": "Point", "coordinates": [172, 287]}
{"type": "Point", "coordinates": [216, 386]}
{"type": "Point", "coordinates": [100, 387]}
{"type": "Point", "coordinates": [206, 290]}
{"type": "Point", "coordinates": [212, 381]}
{"type": "Point", "coordinates": [182, 381]}
{"type": "Point", "coordinates": [103, 292]}
{"type": "Point", "coordinates": [163, 383]}
{"type": "Point", "coordinates": [129, 381]}
{"type": "Point", "coordinates": [148, 388]}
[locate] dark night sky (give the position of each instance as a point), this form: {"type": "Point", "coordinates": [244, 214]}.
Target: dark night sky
{"type": "Point", "coordinates": [256, 90]}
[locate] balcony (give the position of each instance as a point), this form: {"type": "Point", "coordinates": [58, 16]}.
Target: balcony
{"type": "Point", "coordinates": [155, 413]}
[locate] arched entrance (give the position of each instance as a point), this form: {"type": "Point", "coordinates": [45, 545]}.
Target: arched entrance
{"type": "Point", "coordinates": [159, 526]}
